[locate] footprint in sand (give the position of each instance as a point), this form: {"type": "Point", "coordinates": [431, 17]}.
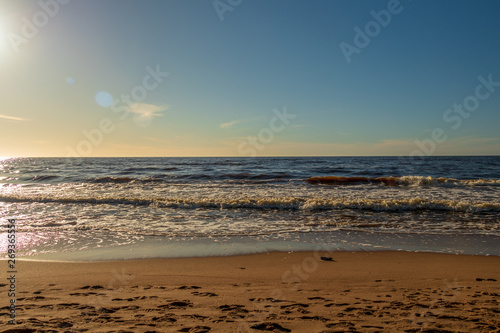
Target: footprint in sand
{"type": "Point", "coordinates": [195, 316]}
{"type": "Point", "coordinates": [34, 298]}
{"type": "Point", "coordinates": [299, 307]}
{"type": "Point", "coordinates": [340, 324]}
{"type": "Point", "coordinates": [234, 311]}
{"type": "Point", "coordinates": [196, 329]}
{"type": "Point", "coordinates": [64, 324]}
{"type": "Point", "coordinates": [167, 318]}
{"type": "Point", "coordinates": [268, 299]}
{"type": "Point", "coordinates": [93, 287]}
{"type": "Point", "coordinates": [204, 294]}
{"type": "Point", "coordinates": [318, 318]}
{"type": "Point", "coordinates": [189, 287]}
{"type": "Point", "coordinates": [177, 305]}
{"type": "Point", "coordinates": [232, 308]}
{"type": "Point", "coordinates": [270, 327]}
{"type": "Point", "coordinates": [68, 305]}
{"type": "Point", "coordinates": [371, 326]}
{"type": "Point", "coordinates": [295, 305]}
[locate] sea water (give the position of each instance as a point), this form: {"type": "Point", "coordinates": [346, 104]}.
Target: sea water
{"type": "Point", "coordinates": [119, 208]}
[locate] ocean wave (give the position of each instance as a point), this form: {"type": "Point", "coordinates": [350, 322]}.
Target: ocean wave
{"type": "Point", "coordinates": [279, 203]}
{"type": "Point", "coordinates": [205, 162]}
{"type": "Point", "coordinates": [44, 177]}
{"type": "Point", "coordinates": [125, 180]}
{"type": "Point", "coordinates": [430, 181]}
{"type": "Point", "coordinates": [142, 169]}
{"type": "Point", "coordinates": [404, 180]}
{"type": "Point", "coordinates": [4, 179]}
{"type": "Point", "coordinates": [197, 177]}
{"type": "Point", "coordinates": [334, 180]}
{"type": "Point", "coordinates": [329, 170]}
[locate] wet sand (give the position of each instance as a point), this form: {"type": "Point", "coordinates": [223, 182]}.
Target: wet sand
{"type": "Point", "coordinates": [275, 292]}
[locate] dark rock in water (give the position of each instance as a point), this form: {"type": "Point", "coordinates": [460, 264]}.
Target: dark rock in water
{"type": "Point", "coordinates": [327, 259]}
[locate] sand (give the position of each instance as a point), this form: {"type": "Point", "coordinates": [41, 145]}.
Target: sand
{"type": "Point", "coordinates": [275, 292]}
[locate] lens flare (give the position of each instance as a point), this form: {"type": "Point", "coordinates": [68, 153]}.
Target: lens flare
{"type": "Point", "coordinates": [104, 99]}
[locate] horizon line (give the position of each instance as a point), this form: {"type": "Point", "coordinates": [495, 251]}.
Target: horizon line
{"type": "Point", "coordinates": [238, 156]}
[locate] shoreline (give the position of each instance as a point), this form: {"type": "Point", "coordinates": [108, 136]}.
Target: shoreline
{"type": "Point", "coordinates": [243, 255]}
{"type": "Point", "coordinates": [339, 241]}
{"type": "Point", "coordinates": [357, 291]}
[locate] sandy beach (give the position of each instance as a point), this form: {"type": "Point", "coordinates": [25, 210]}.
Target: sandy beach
{"type": "Point", "coordinates": [274, 292]}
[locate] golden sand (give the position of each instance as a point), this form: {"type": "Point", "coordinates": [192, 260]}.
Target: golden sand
{"type": "Point", "coordinates": [275, 292]}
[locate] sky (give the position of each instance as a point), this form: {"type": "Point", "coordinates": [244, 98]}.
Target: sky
{"type": "Point", "coordinates": [93, 78]}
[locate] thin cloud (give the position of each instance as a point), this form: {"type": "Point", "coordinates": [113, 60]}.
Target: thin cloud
{"type": "Point", "coordinates": [12, 118]}
{"type": "Point", "coordinates": [231, 123]}
{"type": "Point", "coordinates": [147, 110]}
{"type": "Point", "coordinates": [246, 120]}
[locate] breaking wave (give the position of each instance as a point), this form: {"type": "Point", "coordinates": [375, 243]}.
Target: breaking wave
{"type": "Point", "coordinates": [404, 180]}
{"type": "Point", "coordinates": [265, 203]}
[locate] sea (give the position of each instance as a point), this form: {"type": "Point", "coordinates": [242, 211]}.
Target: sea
{"type": "Point", "coordinates": [129, 208]}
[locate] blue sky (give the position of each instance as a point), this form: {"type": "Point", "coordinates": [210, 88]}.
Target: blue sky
{"type": "Point", "coordinates": [229, 78]}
